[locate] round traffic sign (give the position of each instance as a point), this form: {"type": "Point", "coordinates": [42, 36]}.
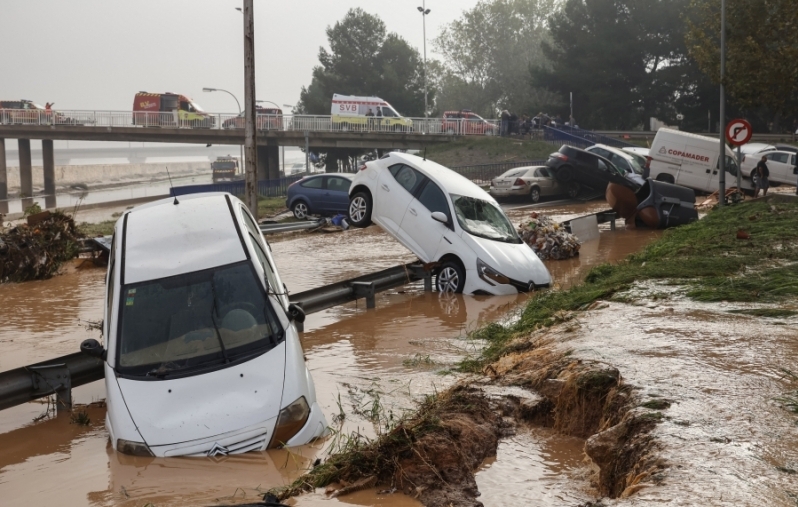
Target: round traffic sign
{"type": "Point", "coordinates": [739, 132]}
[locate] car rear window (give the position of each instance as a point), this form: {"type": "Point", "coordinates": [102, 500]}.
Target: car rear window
{"type": "Point", "coordinates": [312, 183]}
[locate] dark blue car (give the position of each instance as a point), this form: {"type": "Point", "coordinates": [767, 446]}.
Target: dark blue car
{"type": "Point", "coordinates": [321, 194]}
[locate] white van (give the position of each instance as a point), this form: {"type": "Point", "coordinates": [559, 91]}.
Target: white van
{"type": "Point", "coordinates": [352, 113]}
{"type": "Point", "coordinates": [691, 160]}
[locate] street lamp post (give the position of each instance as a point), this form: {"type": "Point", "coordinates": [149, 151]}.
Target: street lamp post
{"type": "Point", "coordinates": [239, 113]}
{"type": "Point", "coordinates": [424, 11]}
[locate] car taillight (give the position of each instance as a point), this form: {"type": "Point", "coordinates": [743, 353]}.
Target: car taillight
{"type": "Point", "coordinates": [560, 156]}
{"type": "Point", "coordinates": [519, 182]}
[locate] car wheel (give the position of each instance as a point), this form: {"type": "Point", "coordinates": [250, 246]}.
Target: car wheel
{"type": "Point", "coordinates": [565, 174]}
{"type": "Point", "coordinates": [534, 194]}
{"type": "Point", "coordinates": [360, 210]}
{"type": "Point", "coordinates": [573, 190]}
{"type": "Point", "coordinates": [300, 210]}
{"type": "Point", "coordinates": [450, 278]}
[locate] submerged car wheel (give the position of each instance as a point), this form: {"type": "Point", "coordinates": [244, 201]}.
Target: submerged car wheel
{"type": "Point", "coordinates": [300, 210]}
{"type": "Point", "coordinates": [451, 278]}
{"type": "Point", "coordinates": [534, 194]}
{"type": "Point", "coordinates": [573, 190]}
{"type": "Point", "coordinates": [360, 210]}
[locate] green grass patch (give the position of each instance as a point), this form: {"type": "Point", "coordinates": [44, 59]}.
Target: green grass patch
{"type": "Point", "coordinates": [488, 150]}
{"type": "Point", "coordinates": [705, 256]}
{"type": "Point", "coordinates": [105, 228]}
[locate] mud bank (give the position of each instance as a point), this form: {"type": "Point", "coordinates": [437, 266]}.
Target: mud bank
{"type": "Point", "coordinates": [66, 175]}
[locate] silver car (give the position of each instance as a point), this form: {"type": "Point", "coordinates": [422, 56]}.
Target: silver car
{"type": "Point", "coordinates": [533, 182]}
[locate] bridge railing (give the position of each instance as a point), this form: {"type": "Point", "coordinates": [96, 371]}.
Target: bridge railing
{"type": "Point", "coordinates": [216, 121]}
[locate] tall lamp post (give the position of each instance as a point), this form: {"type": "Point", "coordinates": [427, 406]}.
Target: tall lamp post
{"type": "Point", "coordinates": [239, 113]}
{"type": "Point", "coordinates": [424, 11]}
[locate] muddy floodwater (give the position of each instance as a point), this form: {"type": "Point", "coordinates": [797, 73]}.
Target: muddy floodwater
{"type": "Point", "coordinates": [368, 365]}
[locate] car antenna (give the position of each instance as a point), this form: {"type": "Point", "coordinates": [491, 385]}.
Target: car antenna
{"type": "Point", "coordinates": [172, 185]}
{"type": "Point", "coordinates": [425, 153]}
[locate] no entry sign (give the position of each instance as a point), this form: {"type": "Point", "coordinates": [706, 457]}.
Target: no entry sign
{"type": "Point", "coordinates": [739, 132]}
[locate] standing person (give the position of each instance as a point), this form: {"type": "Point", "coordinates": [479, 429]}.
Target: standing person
{"type": "Point", "coordinates": [762, 174]}
{"type": "Point", "coordinates": [505, 122]}
{"type": "Point", "coordinates": [647, 168]}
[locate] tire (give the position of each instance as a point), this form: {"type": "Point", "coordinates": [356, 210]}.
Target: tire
{"type": "Point", "coordinates": [450, 278]}
{"type": "Point", "coordinates": [665, 178]}
{"type": "Point", "coordinates": [534, 194]}
{"type": "Point", "coordinates": [573, 189]}
{"type": "Point", "coordinates": [565, 174]}
{"type": "Point", "coordinates": [300, 210]}
{"type": "Point", "coordinates": [360, 209]}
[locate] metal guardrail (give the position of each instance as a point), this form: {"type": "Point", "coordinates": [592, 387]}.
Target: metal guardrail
{"type": "Point", "coordinates": [228, 121]}
{"type": "Point", "coordinates": [59, 375]}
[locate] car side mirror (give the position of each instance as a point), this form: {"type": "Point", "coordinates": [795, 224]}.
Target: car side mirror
{"type": "Point", "coordinates": [296, 313]}
{"type": "Point", "coordinates": [440, 217]}
{"type": "Point", "coordinates": [92, 348]}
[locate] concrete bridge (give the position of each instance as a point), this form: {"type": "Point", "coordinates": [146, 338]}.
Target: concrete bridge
{"type": "Point", "coordinates": [311, 132]}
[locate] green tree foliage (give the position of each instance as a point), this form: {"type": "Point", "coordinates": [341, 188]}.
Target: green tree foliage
{"type": "Point", "coordinates": [487, 54]}
{"type": "Point", "coordinates": [363, 59]}
{"type": "Point", "coordinates": [624, 60]}
{"type": "Point", "coordinates": [761, 52]}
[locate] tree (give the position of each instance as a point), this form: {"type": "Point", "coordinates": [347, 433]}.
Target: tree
{"type": "Point", "coordinates": [487, 54]}
{"type": "Point", "coordinates": [761, 52]}
{"type": "Point", "coordinates": [624, 60]}
{"type": "Point", "coordinates": [363, 59]}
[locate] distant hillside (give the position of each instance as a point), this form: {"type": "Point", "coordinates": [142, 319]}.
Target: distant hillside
{"type": "Point", "coordinates": [488, 150]}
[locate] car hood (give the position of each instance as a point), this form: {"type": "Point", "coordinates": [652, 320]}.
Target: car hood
{"type": "Point", "coordinates": [179, 410]}
{"type": "Point", "coordinates": [513, 260]}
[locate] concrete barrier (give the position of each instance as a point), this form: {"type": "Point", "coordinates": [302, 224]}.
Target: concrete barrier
{"type": "Point", "coordinates": [66, 175]}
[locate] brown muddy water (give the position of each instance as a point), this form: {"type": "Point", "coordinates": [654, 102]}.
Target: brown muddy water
{"type": "Point", "coordinates": [368, 365]}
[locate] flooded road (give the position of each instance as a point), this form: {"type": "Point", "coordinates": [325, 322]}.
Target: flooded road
{"type": "Point", "coordinates": [368, 365]}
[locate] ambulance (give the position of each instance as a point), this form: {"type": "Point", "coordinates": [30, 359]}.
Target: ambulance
{"type": "Point", "coordinates": [366, 113]}
{"type": "Point", "coordinates": [169, 110]}
{"type": "Point", "coordinates": [691, 160]}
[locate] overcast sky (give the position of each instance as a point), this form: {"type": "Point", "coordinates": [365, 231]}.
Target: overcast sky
{"type": "Point", "coordinates": [96, 54]}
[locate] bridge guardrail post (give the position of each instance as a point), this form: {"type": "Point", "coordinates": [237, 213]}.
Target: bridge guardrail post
{"type": "Point", "coordinates": [53, 379]}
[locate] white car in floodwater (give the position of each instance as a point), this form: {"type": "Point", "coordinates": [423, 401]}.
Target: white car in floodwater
{"type": "Point", "coordinates": [203, 358]}
{"type": "Point", "coordinates": [448, 221]}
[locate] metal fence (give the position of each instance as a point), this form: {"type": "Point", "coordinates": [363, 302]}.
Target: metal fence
{"type": "Point", "coordinates": [223, 121]}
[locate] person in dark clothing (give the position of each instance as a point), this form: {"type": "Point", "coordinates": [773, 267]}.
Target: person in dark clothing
{"type": "Point", "coordinates": [647, 169]}
{"type": "Point", "coordinates": [513, 123]}
{"type": "Point", "coordinates": [505, 123]}
{"type": "Point", "coordinates": [762, 175]}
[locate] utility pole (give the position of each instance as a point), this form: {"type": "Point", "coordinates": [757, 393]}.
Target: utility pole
{"type": "Point", "coordinates": [721, 130]}
{"type": "Point", "coordinates": [424, 11]}
{"type": "Point", "coordinates": [250, 140]}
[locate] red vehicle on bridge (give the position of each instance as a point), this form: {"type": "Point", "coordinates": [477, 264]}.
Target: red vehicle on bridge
{"type": "Point", "coordinates": [169, 110]}
{"type": "Point", "coordinates": [26, 112]}
{"type": "Point", "coordinates": [268, 118]}
{"type": "Point", "coordinates": [467, 122]}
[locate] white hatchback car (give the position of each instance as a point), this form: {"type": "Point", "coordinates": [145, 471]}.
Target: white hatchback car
{"type": "Point", "coordinates": [445, 219]}
{"type": "Point", "coordinates": [202, 356]}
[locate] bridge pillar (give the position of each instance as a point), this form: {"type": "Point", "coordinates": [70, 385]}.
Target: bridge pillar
{"type": "Point", "coordinates": [25, 171]}
{"type": "Point", "coordinates": [268, 162]}
{"type": "Point", "coordinates": [3, 171]}
{"type": "Point", "coordinates": [48, 161]}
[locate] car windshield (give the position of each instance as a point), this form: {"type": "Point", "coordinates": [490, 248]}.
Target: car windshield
{"type": "Point", "coordinates": [196, 107]}
{"type": "Point", "coordinates": [194, 321]}
{"type": "Point", "coordinates": [636, 164]}
{"type": "Point", "coordinates": [483, 219]}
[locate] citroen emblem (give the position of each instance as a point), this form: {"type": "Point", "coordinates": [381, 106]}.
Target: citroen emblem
{"type": "Point", "coordinates": [218, 450]}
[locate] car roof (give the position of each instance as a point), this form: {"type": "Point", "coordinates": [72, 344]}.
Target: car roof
{"type": "Point", "coordinates": [524, 168]}
{"type": "Point", "coordinates": [164, 239]}
{"type": "Point", "coordinates": [348, 176]}
{"type": "Point", "coordinates": [613, 149]}
{"type": "Point", "coordinates": [452, 182]}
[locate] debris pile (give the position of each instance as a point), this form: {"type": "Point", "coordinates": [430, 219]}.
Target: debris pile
{"type": "Point", "coordinates": [548, 239]}
{"type": "Point", "coordinates": [36, 250]}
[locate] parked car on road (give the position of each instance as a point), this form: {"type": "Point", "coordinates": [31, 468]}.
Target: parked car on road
{"type": "Point", "coordinates": [467, 122]}
{"type": "Point", "coordinates": [447, 221]}
{"type": "Point", "coordinates": [320, 194]}
{"type": "Point", "coordinates": [202, 358]}
{"type": "Point", "coordinates": [572, 166]}
{"type": "Point", "coordinates": [266, 119]}
{"type": "Point", "coordinates": [783, 165]}
{"type": "Point", "coordinates": [629, 163]}
{"type": "Point", "coordinates": [532, 182]}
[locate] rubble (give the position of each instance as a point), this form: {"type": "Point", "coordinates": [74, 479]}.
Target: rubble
{"type": "Point", "coordinates": [36, 250]}
{"type": "Point", "coordinates": [548, 239]}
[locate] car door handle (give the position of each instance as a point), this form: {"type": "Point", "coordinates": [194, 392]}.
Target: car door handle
{"type": "Point", "coordinates": [385, 187]}
{"type": "Point", "coordinates": [411, 210]}
{"type": "Point", "coordinates": [707, 171]}
{"type": "Point", "coordinates": [714, 172]}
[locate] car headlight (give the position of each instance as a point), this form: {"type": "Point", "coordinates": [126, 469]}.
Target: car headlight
{"type": "Point", "coordinates": [133, 448]}
{"type": "Point", "coordinates": [490, 275]}
{"type": "Point", "coordinates": [292, 419]}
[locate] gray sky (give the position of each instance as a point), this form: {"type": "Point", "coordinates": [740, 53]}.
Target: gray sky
{"type": "Point", "coordinates": [96, 54]}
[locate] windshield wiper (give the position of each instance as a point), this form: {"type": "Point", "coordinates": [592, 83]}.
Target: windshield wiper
{"type": "Point", "coordinates": [213, 321]}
